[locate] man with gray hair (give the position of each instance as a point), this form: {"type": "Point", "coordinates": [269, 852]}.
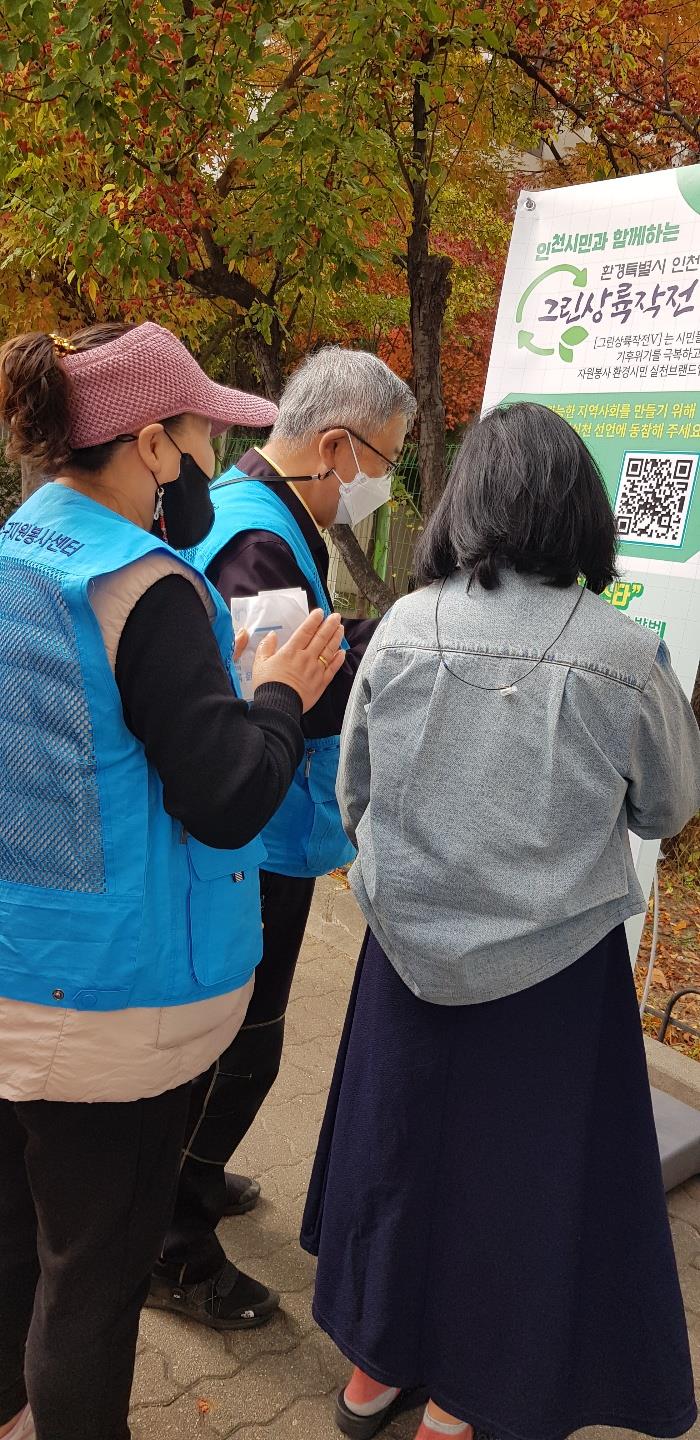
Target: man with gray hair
{"type": "Point", "coordinates": [337, 439]}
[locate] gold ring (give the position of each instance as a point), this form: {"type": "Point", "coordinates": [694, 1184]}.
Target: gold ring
{"type": "Point", "coordinates": [322, 661]}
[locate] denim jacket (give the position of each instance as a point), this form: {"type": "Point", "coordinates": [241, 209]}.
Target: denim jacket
{"type": "Point", "coordinates": [492, 828]}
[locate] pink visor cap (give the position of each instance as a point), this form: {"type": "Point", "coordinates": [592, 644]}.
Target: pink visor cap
{"type": "Point", "coordinates": [146, 375]}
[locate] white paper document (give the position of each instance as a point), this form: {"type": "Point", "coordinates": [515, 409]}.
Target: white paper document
{"type": "Point", "coordinates": [277, 611]}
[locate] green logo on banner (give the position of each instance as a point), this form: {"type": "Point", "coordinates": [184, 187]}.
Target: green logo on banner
{"type": "Point", "coordinates": [573, 335]}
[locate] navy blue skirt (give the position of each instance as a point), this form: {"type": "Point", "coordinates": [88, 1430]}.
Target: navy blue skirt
{"type": "Point", "coordinates": [488, 1210]}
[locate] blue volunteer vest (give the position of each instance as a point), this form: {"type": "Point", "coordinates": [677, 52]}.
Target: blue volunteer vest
{"type": "Point", "coordinates": [105, 902]}
{"type": "Point", "coordinates": [305, 837]}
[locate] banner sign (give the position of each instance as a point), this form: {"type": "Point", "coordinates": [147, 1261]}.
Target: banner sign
{"type": "Point", "coordinates": [599, 318]}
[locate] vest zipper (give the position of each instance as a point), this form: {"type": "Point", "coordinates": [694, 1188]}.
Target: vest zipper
{"type": "Point", "coordinates": [307, 767]}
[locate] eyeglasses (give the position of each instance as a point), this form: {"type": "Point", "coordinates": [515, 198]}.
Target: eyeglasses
{"type": "Point", "coordinates": [393, 464]}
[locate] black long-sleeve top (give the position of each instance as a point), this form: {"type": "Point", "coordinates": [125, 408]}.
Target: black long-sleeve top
{"type": "Point", "coordinates": [225, 766]}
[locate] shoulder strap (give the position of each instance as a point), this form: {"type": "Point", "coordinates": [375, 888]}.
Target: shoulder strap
{"type": "Point", "coordinates": [244, 504]}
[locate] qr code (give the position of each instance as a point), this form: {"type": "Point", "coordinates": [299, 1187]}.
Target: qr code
{"type": "Point", "coordinates": [653, 499]}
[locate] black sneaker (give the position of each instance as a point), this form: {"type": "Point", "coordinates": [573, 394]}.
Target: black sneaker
{"type": "Point", "coordinates": [363, 1427]}
{"type": "Point", "coordinates": [231, 1300]}
{"type": "Point", "coordinates": [242, 1194]}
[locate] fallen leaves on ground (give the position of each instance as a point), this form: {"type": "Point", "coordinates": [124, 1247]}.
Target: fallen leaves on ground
{"type": "Point", "coordinates": [678, 952]}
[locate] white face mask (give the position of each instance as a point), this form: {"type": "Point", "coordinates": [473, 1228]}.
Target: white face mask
{"type": "Point", "coordinates": [363, 495]}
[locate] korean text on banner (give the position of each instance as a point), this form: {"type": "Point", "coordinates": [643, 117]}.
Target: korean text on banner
{"type": "Point", "coordinates": [599, 318]}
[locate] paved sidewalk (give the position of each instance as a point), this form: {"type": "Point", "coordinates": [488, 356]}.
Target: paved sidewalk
{"type": "Point", "coordinates": [279, 1381]}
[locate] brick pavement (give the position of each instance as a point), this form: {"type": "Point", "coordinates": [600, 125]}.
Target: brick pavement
{"type": "Point", "coordinates": [277, 1383]}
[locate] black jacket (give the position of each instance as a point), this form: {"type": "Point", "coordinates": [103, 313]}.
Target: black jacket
{"type": "Point", "coordinates": [256, 560]}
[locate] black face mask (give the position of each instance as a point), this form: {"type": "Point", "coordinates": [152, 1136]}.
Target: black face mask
{"type": "Point", "coordinates": [184, 513]}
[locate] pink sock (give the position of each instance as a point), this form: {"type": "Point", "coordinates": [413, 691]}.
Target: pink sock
{"type": "Point", "coordinates": [365, 1396]}
{"type": "Point", "coordinates": [430, 1428]}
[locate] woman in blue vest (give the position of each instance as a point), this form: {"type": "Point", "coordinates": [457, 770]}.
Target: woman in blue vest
{"type": "Point", "coordinates": [133, 786]}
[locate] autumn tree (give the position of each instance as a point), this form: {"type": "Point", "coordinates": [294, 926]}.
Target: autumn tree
{"type": "Point", "coordinates": [242, 166]}
{"type": "Point", "coordinates": [622, 77]}
{"type": "Point", "coordinates": [205, 151]}
{"type": "Point", "coordinates": [424, 91]}
{"type": "Point", "coordinates": [451, 82]}
{"type": "Point", "coordinates": [196, 159]}
{"type": "Point", "coordinates": [194, 146]}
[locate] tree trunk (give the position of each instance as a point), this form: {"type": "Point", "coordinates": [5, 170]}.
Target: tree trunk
{"type": "Point", "coordinates": [31, 479]}
{"type": "Point", "coordinates": [268, 355]}
{"type": "Point", "coordinates": [363, 573]}
{"type": "Point", "coordinates": [429, 288]}
{"type": "Point", "coordinates": [216, 282]}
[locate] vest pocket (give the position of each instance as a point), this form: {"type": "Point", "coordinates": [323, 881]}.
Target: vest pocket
{"type": "Point", "coordinates": [328, 845]}
{"type": "Point", "coordinates": [306, 837]}
{"type": "Point", "coordinates": [224, 909]}
{"type": "Point", "coordinates": [287, 833]}
{"type": "Point", "coordinates": [67, 951]}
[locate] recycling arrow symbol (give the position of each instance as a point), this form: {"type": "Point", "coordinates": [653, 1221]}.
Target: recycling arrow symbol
{"type": "Point", "coordinates": [573, 335]}
{"type": "Point", "coordinates": [526, 342]}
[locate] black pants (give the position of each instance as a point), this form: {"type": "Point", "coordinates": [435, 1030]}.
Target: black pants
{"type": "Point", "coordinates": [85, 1196]}
{"type": "Point", "coordinates": [226, 1100]}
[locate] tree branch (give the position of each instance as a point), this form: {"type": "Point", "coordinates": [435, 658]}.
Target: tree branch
{"type": "Point", "coordinates": [464, 138]}
{"type": "Point", "coordinates": [397, 149]}
{"type": "Point", "coordinates": [690, 129]}
{"type": "Point", "coordinates": [557, 155]}
{"type": "Point", "coordinates": [217, 280]}
{"type": "Point", "coordinates": [533, 72]}
{"type": "Point", "coordinates": [299, 68]}
{"type": "Point", "coordinates": [363, 573]}
{"type": "Point", "coordinates": [214, 341]}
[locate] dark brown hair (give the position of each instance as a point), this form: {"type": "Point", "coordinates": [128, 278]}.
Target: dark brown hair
{"type": "Point", "coordinates": [35, 400]}
{"type": "Point", "coordinates": [526, 494]}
